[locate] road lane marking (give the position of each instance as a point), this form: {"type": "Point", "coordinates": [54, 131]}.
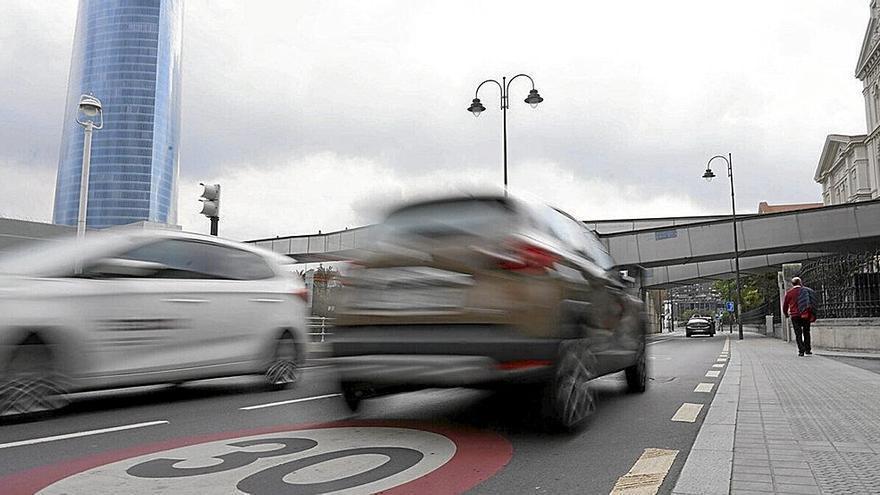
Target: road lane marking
{"type": "Point", "coordinates": [721, 360]}
{"type": "Point", "coordinates": [80, 434]}
{"type": "Point", "coordinates": [291, 401]}
{"type": "Point", "coordinates": [704, 387]}
{"type": "Point", "coordinates": [647, 474]}
{"type": "Point", "coordinates": [726, 347]}
{"type": "Point", "coordinates": [658, 341]}
{"type": "Point", "coordinates": [687, 413]}
{"type": "Point", "coordinates": [712, 374]}
{"type": "Point", "coordinates": [718, 365]}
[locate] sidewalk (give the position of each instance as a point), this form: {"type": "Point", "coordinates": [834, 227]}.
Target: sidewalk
{"type": "Point", "coordinates": [804, 425]}
{"type": "Point", "coordinates": [808, 425]}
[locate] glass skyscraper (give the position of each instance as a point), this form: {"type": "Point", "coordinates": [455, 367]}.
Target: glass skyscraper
{"type": "Point", "coordinates": [127, 54]}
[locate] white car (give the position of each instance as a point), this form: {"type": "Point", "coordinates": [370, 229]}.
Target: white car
{"type": "Point", "coordinates": [144, 307]}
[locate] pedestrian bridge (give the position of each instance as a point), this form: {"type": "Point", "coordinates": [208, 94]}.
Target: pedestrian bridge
{"type": "Point", "coordinates": [674, 251]}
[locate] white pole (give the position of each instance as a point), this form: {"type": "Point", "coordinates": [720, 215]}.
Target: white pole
{"type": "Point", "coordinates": [84, 182]}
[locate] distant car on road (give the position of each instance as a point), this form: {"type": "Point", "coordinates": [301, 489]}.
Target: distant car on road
{"type": "Point", "coordinates": [700, 324]}
{"type": "Point", "coordinates": [488, 292]}
{"type": "Point", "coordinates": [144, 307]}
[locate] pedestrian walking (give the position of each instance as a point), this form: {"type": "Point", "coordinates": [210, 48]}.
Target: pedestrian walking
{"type": "Point", "coordinates": [800, 304]}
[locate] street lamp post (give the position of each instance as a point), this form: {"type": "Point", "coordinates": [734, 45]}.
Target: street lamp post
{"type": "Point", "coordinates": [476, 107]}
{"type": "Point", "coordinates": [709, 175]}
{"type": "Point", "coordinates": [90, 107]}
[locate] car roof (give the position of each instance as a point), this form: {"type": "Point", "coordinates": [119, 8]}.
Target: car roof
{"type": "Point", "coordinates": [58, 254]}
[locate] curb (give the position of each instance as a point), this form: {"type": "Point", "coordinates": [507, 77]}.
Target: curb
{"type": "Point", "coordinates": [709, 465]}
{"type": "Point", "coordinates": [855, 355]}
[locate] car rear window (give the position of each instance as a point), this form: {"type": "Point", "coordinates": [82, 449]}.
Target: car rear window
{"type": "Point", "coordinates": [474, 216]}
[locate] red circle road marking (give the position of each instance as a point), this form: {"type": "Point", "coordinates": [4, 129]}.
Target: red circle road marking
{"type": "Point", "coordinates": [479, 455]}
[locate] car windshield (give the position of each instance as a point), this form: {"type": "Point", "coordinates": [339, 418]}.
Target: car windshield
{"type": "Point", "coordinates": [472, 216]}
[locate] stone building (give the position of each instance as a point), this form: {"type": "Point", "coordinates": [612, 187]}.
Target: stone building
{"type": "Point", "coordinates": [849, 166]}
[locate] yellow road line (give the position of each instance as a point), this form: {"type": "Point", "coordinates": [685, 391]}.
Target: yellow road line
{"type": "Point", "coordinates": [688, 412]}
{"type": "Point", "coordinates": [704, 387]}
{"type": "Point", "coordinates": [647, 474]}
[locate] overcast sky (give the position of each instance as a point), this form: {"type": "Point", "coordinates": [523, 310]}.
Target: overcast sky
{"type": "Point", "coordinates": [315, 115]}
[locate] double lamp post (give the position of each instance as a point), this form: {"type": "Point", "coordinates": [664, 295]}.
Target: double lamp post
{"type": "Point", "coordinates": [477, 107]}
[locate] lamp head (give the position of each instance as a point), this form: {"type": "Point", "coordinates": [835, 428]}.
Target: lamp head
{"type": "Point", "coordinates": [89, 105]}
{"type": "Point", "coordinates": [534, 98]}
{"type": "Point", "coordinates": [476, 107]}
{"type": "Point", "coordinates": [709, 175]}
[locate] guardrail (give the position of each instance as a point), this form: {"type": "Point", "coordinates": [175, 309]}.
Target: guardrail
{"type": "Point", "coordinates": [318, 328]}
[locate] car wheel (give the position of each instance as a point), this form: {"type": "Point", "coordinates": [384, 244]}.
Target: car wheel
{"type": "Point", "coordinates": [637, 374]}
{"type": "Point", "coordinates": [283, 370]}
{"type": "Point", "coordinates": [570, 397]}
{"type": "Point", "coordinates": [30, 383]}
{"type": "Point", "coordinates": [687, 334]}
{"type": "Point", "coordinates": [353, 395]}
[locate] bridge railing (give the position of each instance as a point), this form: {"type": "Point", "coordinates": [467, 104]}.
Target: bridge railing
{"type": "Point", "coordinates": [319, 328]}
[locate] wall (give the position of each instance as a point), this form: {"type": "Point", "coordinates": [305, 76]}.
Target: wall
{"type": "Point", "coordinates": [847, 334]}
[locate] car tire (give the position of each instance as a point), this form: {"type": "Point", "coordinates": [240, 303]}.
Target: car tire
{"type": "Point", "coordinates": [353, 395]}
{"type": "Point", "coordinates": [687, 334]}
{"type": "Point", "coordinates": [569, 398]}
{"type": "Point", "coordinates": [30, 383]}
{"type": "Point", "coordinates": [283, 370]}
{"type": "Point", "coordinates": [637, 374]}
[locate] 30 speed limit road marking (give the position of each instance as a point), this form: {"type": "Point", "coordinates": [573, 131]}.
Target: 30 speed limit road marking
{"type": "Point", "coordinates": [349, 458]}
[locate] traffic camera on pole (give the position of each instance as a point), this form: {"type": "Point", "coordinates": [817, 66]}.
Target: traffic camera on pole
{"type": "Point", "coordinates": [211, 204]}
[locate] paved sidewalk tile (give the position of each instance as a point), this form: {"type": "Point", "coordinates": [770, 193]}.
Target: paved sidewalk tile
{"type": "Point", "coordinates": [804, 426]}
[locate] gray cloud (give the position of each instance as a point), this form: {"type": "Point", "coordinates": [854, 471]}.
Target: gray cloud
{"type": "Point", "coordinates": [637, 94]}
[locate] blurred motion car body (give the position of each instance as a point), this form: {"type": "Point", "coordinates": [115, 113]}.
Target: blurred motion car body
{"type": "Point", "coordinates": [143, 307]}
{"type": "Point", "coordinates": [700, 324]}
{"type": "Point", "coordinates": [487, 291]}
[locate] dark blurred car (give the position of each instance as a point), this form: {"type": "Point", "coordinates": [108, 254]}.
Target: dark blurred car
{"type": "Point", "coordinates": [700, 324]}
{"type": "Point", "coordinates": [488, 291]}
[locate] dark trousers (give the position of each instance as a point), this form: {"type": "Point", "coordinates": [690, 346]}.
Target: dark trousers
{"type": "Point", "coordinates": [801, 333]}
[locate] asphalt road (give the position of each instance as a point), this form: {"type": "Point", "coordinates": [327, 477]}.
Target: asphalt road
{"type": "Point", "coordinates": [495, 441]}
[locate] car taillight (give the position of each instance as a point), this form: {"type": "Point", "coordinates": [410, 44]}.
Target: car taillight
{"type": "Point", "coordinates": [302, 293]}
{"type": "Point", "coordinates": [528, 258]}
{"type": "Point", "coordinates": [523, 364]}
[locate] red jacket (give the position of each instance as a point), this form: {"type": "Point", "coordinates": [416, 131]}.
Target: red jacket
{"type": "Point", "coordinates": [790, 305]}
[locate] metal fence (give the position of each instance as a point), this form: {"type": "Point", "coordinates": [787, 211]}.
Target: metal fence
{"type": "Point", "coordinates": [319, 328]}
{"type": "Point", "coordinates": [848, 285]}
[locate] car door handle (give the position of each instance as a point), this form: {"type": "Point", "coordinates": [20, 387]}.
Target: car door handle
{"type": "Point", "coordinates": [184, 300]}
{"type": "Point", "coordinates": [266, 300]}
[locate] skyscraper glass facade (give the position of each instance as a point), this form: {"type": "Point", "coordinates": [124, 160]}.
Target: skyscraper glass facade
{"type": "Point", "coordinates": [127, 54]}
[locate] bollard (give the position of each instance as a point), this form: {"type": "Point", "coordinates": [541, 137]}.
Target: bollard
{"type": "Point", "coordinates": [768, 325]}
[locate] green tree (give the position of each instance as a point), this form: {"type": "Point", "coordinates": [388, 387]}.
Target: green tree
{"type": "Point", "coordinates": [756, 289]}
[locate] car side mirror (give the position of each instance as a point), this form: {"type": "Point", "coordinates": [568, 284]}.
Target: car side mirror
{"type": "Point", "coordinates": [119, 267]}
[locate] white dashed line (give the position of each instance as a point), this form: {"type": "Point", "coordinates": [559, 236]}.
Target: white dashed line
{"type": "Point", "coordinates": [647, 473]}
{"type": "Point", "coordinates": [291, 401]}
{"type": "Point", "coordinates": [704, 387]}
{"type": "Point", "coordinates": [712, 373]}
{"type": "Point", "coordinates": [717, 365]}
{"type": "Point", "coordinates": [687, 413]}
{"type": "Point", "coordinates": [80, 434]}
